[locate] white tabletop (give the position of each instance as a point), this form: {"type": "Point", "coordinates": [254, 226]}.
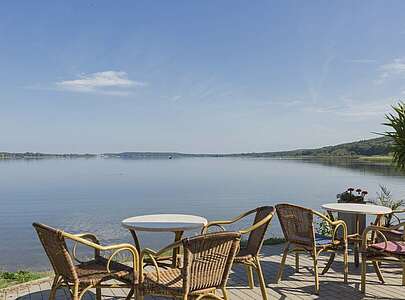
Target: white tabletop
{"type": "Point", "coordinates": [164, 223]}
{"type": "Point", "coordinates": [357, 208]}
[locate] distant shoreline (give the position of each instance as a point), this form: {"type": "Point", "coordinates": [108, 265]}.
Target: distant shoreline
{"type": "Point", "coordinates": [369, 159]}
{"type": "Point", "coordinates": [378, 149]}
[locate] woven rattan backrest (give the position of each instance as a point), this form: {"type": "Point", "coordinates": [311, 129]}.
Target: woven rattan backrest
{"type": "Point", "coordinates": [256, 237]}
{"type": "Point", "coordinates": [297, 224]}
{"type": "Point", "coordinates": [208, 259]}
{"type": "Point", "coordinates": [56, 250]}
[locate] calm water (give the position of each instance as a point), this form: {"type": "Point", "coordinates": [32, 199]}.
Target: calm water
{"type": "Point", "coordinates": [96, 194]}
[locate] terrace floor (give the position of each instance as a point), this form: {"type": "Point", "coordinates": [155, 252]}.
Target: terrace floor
{"type": "Point", "coordinates": [294, 285]}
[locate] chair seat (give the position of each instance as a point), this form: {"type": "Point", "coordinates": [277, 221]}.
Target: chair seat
{"type": "Point", "coordinates": [394, 247]}
{"type": "Point", "coordinates": [170, 283]}
{"type": "Point", "coordinates": [95, 271]}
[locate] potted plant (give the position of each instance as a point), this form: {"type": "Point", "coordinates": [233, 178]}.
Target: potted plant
{"type": "Point", "coordinates": [384, 198]}
{"type": "Point", "coordinates": [352, 196]}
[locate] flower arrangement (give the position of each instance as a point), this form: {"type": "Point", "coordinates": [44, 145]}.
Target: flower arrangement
{"type": "Point", "coordinates": [352, 196]}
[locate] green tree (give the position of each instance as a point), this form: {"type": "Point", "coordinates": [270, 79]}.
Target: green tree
{"type": "Point", "coordinates": [396, 121]}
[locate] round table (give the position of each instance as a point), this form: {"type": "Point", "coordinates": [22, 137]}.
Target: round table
{"type": "Point", "coordinates": [357, 209]}
{"type": "Point", "coordinates": [176, 223]}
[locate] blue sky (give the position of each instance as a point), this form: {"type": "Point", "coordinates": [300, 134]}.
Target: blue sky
{"type": "Point", "coordinates": [197, 76]}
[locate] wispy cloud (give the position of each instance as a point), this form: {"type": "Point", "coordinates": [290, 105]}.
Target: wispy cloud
{"type": "Point", "coordinates": [107, 82]}
{"type": "Point", "coordinates": [392, 69]}
{"type": "Point", "coordinates": [353, 109]}
{"type": "Point", "coordinates": [288, 103]}
{"type": "Point", "coordinates": [361, 61]}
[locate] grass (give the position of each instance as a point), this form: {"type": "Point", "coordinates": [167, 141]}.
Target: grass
{"type": "Point", "coordinates": [8, 279]}
{"type": "Point", "coordinates": [268, 242]}
{"type": "Point", "coordinates": [274, 241]}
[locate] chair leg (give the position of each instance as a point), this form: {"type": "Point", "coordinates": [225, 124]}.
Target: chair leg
{"type": "Point", "coordinates": [55, 286]}
{"type": "Point", "coordinates": [261, 278]}
{"type": "Point", "coordinates": [297, 262]}
{"type": "Point", "coordinates": [403, 273]}
{"type": "Point", "coordinates": [84, 291]}
{"type": "Point", "coordinates": [315, 258]}
{"type": "Point", "coordinates": [363, 273]}
{"type": "Point", "coordinates": [139, 295]}
{"type": "Point", "coordinates": [345, 264]}
{"type": "Point", "coordinates": [378, 271]}
{"type": "Point", "coordinates": [329, 263]}
{"type": "Point", "coordinates": [225, 293]}
{"type": "Point", "coordinates": [129, 296]}
{"type": "Point", "coordinates": [281, 268]}
{"type": "Point", "coordinates": [76, 292]}
{"type": "Point", "coordinates": [249, 272]}
{"type": "Point", "coordinates": [98, 293]}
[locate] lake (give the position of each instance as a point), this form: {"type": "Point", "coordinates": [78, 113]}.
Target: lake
{"type": "Point", "coordinates": [94, 195]}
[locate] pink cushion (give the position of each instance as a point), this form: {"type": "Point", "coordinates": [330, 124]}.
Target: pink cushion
{"type": "Point", "coordinates": [391, 246]}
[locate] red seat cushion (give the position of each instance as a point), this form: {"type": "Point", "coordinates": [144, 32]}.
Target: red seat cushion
{"type": "Point", "coordinates": [397, 247]}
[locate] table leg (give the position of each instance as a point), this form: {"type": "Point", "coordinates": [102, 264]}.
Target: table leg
{"type": "Point", "coordinates": [176, 251]}
{"type": "Point", "coordinates": [377, 222]}
{"type": "Point", "coordinates": [136, 241]}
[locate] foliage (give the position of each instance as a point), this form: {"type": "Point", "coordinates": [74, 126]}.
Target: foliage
{"type": "Point", "coordinates": [11, 278]}
{"type": "Point", "coordinates": [365, 148]}
{"type": "Point", "coordinates": [274, 241]}
{"type": "Point", "coordinates": [268, 242]}
{"type": "Point", "coordinates": [370, 148]}
{"type": "Point", "coordinates": [323, 228]}
{"type": "Point", "coordinates": [384, 198]}
{"type": "Point", "coordinates": [396, 121]}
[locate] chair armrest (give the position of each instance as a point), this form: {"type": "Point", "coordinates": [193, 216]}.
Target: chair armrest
{"type": "Point", "coordinates": [218, 224]}
{"type": "Point", "coordinates": [398, 226]}
{"type": "Point", "coordinates": [87, 236]}
{"type": "Point", "coordinates": [257, 225]}
{"type": "Point", "coordinates": [226, 222]}
{"type": "Point", "coordinates": [394, 214]}
{"type": "Point", "coordinates": [378, 230]}
{"type": "Point", "coordinates": [335, 225]}
{"type": "Point", "coordinates": [116, 248]}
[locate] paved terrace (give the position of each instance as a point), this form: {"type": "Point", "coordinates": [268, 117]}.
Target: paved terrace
{"type": "Point", "coordinates": [294, 285]}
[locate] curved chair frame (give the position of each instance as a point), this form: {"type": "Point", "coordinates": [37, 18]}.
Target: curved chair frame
{"type": "Point", "coordinates": [398, 211]}
{"type": "Point", "coordinates": [395, 233]}
{"type": "Point", "coordinates": [76, 288]}
{"type": "Point", "coordinates": [376, 256]}
{"type": "Point", "coordinates": [315, 250]}
{"type": "Point", "coordinates": [253, 262]}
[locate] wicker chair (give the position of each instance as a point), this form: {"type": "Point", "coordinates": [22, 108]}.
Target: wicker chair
{"type": "Point", "coordinates": [297, 224]}
{"type": "Point", "coordinates": [206, 266]}
{"type": "Point", "coordinates": [82, 276]}
{"type": "Point", "coordinates": [249, 253]}
{"type": "Point", "coordinates": [396, 234]}
{"type": "Point", "coordinates": [380, 248]}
